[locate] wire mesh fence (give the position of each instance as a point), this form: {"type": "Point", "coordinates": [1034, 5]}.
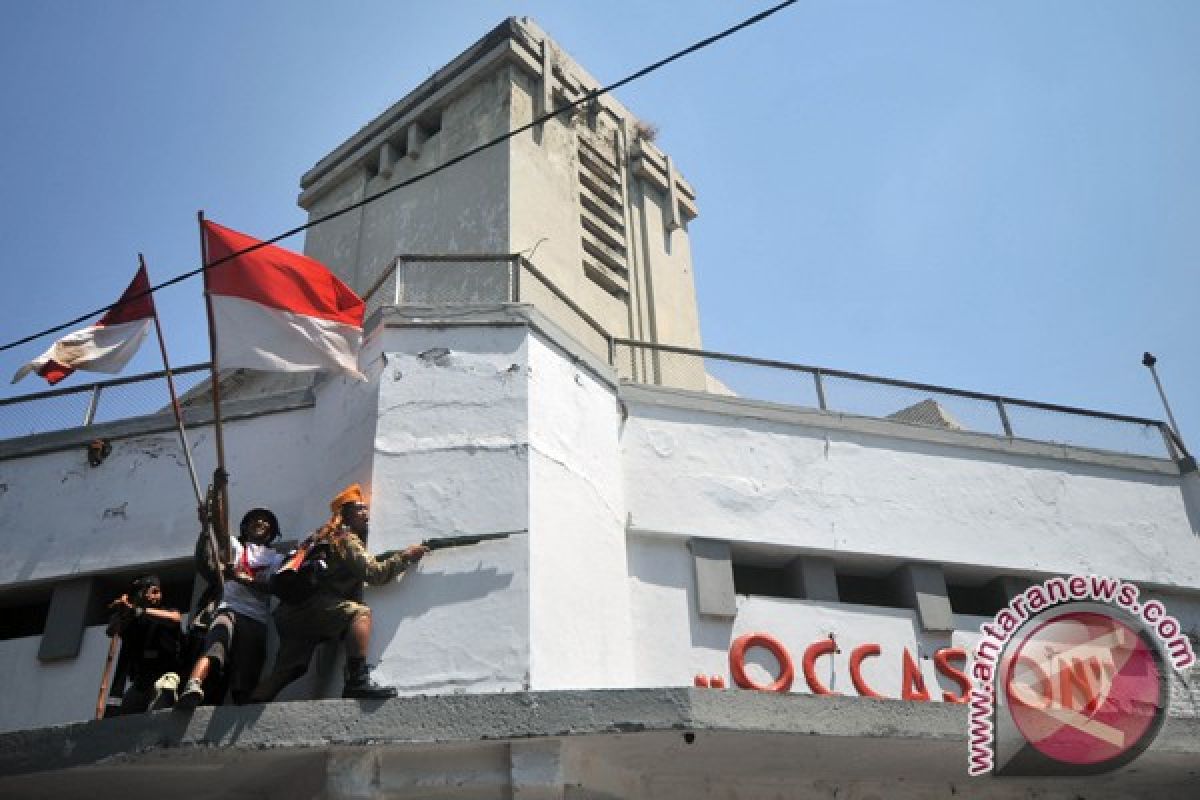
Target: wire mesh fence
{"type": "Point", "coordinates": [105, 401]}
{"type": "Point", "coordinates": [427, 281]}
{"type": "Point", "coordinates": [537, 290]}
{"type": "Point", "coordinates": [942, 409]}
{"type": "Point", "coordinates": [884, 398]}
{"type": "Point", "coordinates": [487, 279]}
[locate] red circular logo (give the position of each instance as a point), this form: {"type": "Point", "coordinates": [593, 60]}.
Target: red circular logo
{"type": "Point", "coordinates": [1085, 688]}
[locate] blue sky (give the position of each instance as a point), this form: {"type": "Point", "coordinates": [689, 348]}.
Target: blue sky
{"type": "Point", "coordinates": [1002, 197]}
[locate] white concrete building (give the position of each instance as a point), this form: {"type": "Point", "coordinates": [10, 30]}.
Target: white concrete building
{"type": "Point", "coordinates": [671, 502]}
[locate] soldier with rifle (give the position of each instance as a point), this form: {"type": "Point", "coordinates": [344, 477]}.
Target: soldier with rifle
{"type": "Point", "coordinates": [320, 588]}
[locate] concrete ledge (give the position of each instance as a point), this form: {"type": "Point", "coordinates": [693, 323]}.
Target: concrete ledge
{"type": "Point", "coordinates": [635, 744]}
{"type": "Point", "coordinates": [851, 423]}
{"type": "Point", "coordinates": [71, 438]}
{"type": "Point", "coordinates": [470, 718]}
{"type": "Point", "coordinates": [501, 315]}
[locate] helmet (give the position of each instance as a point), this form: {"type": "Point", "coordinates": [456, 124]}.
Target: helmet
{"type": "Point", "coordinates": [260, 513]}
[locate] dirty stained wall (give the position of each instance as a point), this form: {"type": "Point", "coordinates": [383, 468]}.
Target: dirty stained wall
{"type": "Point", "coordinates": [463, 209]}
{"type": "Point", "coordinates": [451, 458]}
{"type": "Point", "coordinates": [743, 479]}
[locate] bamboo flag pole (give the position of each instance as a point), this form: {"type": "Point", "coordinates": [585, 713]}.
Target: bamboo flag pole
{"type": "Point", "coordinates": [183, 442]}
{"type": "Point", "coordinates": [220, 475]}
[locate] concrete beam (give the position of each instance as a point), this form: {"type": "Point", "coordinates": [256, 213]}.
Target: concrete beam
{"type": "Point", "coordinates": [812, 578]}
{"type": "Point", "coordinates": [537, 769]}
{"type": "Point", "coordinates": [71, 603]}
{"type": "Point", "coordinates": [712, 563]}
{"type": "Point", "coordinates": [387, 158]}
{"type": "Point", "coordinates": [416, 137]}
{"type": "Point", "coordinates": [923, 587]}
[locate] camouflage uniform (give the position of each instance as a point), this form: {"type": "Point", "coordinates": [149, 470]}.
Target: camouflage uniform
{"type": "Point", "coordinates": [329, 612]}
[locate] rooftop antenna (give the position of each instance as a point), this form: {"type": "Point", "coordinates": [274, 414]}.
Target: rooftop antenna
{"type": "Point", "coordinates": [1148, 361]}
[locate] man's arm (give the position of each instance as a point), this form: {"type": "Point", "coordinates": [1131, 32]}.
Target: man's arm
{"type": "Point", "coordinates": [126, 612]}
{"type": "Point", "coordinates": [374, 570]}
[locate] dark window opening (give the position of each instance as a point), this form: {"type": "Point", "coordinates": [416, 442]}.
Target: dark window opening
{"type": "Point", "coordinates": [865, 590]}
{"type": "Point", "coordinates": [23, 619]}
{"type": "Point", "coordinates": [768, 581]}
{"type": "Point", "coordinates": [980, 601]}
{"type": "Point", "coordinates": [431, 123]}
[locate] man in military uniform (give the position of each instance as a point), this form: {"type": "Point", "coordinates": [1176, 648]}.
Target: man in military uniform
{"type": "Point", "coordinates": [335, 610]}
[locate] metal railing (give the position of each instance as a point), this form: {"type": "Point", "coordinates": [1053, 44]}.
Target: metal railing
{"type": "Point", "coordinates": [497, 278]}
{"type": "Point", "coordinates": [887, 398]}
{"type": "Point", "coordinates": [473, 279]}
{"type": "Point", "coordinates": [103, 401]}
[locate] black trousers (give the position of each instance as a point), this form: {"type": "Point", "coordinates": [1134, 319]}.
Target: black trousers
{"type": "Point", "coordinates": [237, 646]}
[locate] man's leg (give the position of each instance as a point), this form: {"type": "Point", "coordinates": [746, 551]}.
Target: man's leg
{"type": "Point", "coordinates": [290, 663]}
{"type": "Point", "coordinates": [246, 660]}
{"type": "Point", "coordinates": [358, 677]}
{"type": "Point", "coordinates": [136, 699]}
{"type": "Point", "coordinates": [216, 651]}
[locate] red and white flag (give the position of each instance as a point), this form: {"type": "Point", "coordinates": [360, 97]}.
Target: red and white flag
{"type": "Point", "coordinates": [280, 311]}
{"type": "Point", "coordinates": [106, 346]}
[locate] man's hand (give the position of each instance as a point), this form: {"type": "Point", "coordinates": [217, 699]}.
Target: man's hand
{"type": "Point", "coordinates": [238, 575]}
{"type": "Point", "coordinates": [121, 604]}
{"type": "Point", "coordinates": [414, 553]}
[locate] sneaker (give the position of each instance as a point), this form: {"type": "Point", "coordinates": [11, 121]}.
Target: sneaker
{"type": "Point", "coordinates": [164, 692]}
{"type": "Point", "coordinates": [193, 695]}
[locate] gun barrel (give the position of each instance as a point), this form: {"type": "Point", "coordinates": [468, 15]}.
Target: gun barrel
{"type": "Point", "coordinates": [443, 542]}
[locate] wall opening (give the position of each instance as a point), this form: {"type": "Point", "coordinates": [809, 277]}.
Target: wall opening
{"type": "Point", "coordinates": [868, 590]}
{"type": "Point", "coordinates": [768, 581]}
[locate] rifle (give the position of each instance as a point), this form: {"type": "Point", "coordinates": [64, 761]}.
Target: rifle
{"type": "Point", "coordinates": [114, 644]}
{"type": "Point", "coordinates": [444, 542]}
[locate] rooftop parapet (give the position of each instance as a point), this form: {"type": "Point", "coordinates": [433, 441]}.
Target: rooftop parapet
{"type": "Point", "coordinates": [498, 279]}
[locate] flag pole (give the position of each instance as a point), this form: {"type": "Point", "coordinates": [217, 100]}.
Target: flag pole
{"type": "Point", "coordinates": [183, 442]}
{"type": "Point", "coordinates": [220, 475]}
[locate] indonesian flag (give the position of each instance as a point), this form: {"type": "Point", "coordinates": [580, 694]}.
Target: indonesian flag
{"type": "Point", "coordinates": [106, 346]}
{"type": "Point", "coordinates": [279, 311]}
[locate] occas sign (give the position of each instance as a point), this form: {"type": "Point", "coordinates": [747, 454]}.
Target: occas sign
{"type": "Point", "coordinates": [912, 681]}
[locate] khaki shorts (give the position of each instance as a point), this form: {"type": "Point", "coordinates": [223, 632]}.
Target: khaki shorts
{"type": "Point", "coordinates": [322, 616]}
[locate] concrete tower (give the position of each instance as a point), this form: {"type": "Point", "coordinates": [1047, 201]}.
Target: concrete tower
{"type": "Point", "coordinates": [599, 209]}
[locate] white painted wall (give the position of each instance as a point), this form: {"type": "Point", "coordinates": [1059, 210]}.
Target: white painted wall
{"type": "Point", "coordinates": [38, 694]}
{"type": "Point", "coordinates": [579, 603]}
{"type": "Point", "coordinates": [675, 643]}
{"type": "Point", "coordinates": [60, 517]}
{"type": "Point", "coordinates": [727, 476]}
{"type": "Point", "coordinates": [451, 457]}
{"type": "Point", "coordinates": [504, 430]}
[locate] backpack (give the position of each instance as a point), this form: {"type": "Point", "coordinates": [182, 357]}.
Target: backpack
{"type": "Point", "coordinates": [301, 574]}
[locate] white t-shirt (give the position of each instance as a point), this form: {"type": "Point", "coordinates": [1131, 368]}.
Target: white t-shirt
{"type": "Point", "coordinates": [258, 560]}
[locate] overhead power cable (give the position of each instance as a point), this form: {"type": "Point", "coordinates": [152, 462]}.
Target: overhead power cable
{"type": "Point", "coordinates": [586, 98]}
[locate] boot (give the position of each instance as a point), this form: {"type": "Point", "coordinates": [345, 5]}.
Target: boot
{"type": "Point", "coordinates": [193, 695]}
{"type": "Point", "coordinates": [359, 683]}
